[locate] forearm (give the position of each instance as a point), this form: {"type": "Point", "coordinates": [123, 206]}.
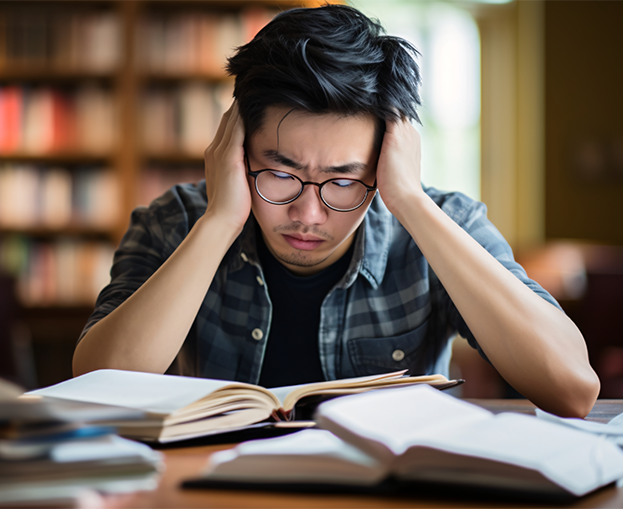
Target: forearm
{"type": "Point", "coordinates": [533, 345]}
{"type": "Point", "coordinates": [146, 332]}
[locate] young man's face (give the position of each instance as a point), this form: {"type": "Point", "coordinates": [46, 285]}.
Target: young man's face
{"type": "Point", "coordinates": [307, 236]}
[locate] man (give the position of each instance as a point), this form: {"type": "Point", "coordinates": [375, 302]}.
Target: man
{"type": "Point", "coordinates": [313, 251]}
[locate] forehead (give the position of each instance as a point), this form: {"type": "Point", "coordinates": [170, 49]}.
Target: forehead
{"type": "Point", "coordinates": [331, 135]}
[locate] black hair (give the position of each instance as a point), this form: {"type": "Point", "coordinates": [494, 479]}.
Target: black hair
{"type": "Point", "coordinates": [329, 59]}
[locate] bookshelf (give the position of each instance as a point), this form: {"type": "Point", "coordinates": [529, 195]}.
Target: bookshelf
{"type": "Point", "coordinates": [103, 106]}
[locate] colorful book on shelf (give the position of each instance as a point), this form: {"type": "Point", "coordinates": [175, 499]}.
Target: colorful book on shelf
{"type": "Point", "coordinates": [403, 440]}
{"type": "Point", "coordinates": [45, 120]}
{"type": "Point", "coordinates": [180, 407]}
{"type": "Point", "coordinates": [10, 118]}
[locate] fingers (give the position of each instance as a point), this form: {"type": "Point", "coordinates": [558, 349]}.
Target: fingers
{"type": "Point", "coordinates": [221, 126]}
{"type": "Point", "coordinates": [234, 130]}
{"type": "Point", "coordinates": [400, 129]}
{"type": "Point", "coordinates": [228, 121]}
{"type": "Point", "coordinates": [226, 151]}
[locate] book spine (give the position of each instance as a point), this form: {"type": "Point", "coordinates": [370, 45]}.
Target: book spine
{"type": "Point", "coordinates": [182, 119]}
{"type": "Point", "coordinates": [35, 196]}
{"type": "Point", "coordinates": [45, 120]}
{"type": "Point", "coordinates": [196, 42]}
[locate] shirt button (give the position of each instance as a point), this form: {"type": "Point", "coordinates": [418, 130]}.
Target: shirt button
{"type": "Point", "coordinates": [244, 257]}
{"type": "Point", "coordinates": [257, 334]}
{"type": "Point", "coordinates": [398, 355]}
{"type": "Point", "coordinates": [260, 281]}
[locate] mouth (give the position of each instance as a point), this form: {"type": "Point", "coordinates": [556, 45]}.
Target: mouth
{"type": "Point", "coordinates": [302, 242]}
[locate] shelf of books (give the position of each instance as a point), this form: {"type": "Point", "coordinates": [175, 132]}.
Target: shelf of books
{"type": "Point", "coordinates": [59, 124]}
{"type": "Point", "coordinates": [104, 105]}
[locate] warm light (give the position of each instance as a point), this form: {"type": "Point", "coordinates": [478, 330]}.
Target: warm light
{"type": "Point", "coordinates": [454, 80]}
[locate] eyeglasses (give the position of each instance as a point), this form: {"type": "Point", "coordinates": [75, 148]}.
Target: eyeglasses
{"type": "Point", "coordinates": [281, 188]}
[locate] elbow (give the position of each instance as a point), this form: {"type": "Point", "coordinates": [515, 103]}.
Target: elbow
{"type": "Point", "coordinates": [83, 360]}
{"type": "Point", "coordinates": [77, 365]}
{"type": "Point", "coordinates": [581, 396]}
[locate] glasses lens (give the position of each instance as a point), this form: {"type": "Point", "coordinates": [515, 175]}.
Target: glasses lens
{"type": "Point", "coordinates": [344, 194]}
{"type": "Point", "coordinates": [278, 187]}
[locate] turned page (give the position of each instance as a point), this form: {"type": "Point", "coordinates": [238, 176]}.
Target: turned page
{"type": "Point", "coordinates": [150, 392]}
{"type": "Point", "coordinates": [385, 423]}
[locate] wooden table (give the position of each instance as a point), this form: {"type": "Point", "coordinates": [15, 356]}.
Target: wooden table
{"type": "Point", "coordinates": [188, 462]}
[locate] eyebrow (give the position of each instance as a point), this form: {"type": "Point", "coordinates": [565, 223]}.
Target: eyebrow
{"type": "Point", "coordinates": [347, 168]}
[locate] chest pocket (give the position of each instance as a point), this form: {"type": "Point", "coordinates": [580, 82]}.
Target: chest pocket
{"type": "Point", "coordinates": [373, 356]}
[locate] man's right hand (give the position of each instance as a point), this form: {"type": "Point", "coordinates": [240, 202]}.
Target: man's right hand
{"type": "Point", "coordinates": [229, 197]}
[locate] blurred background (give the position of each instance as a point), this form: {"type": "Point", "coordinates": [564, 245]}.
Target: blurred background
{"type": "Point", "coordinates": [106, 104]}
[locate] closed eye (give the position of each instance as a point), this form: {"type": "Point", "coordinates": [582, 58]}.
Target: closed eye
{"type": "Point", "coordinates": [343, 182]}
{"type": "Point", "coordinates": [280, 175]}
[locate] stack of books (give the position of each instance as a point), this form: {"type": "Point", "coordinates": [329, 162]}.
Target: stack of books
{"type": "Point", "coordinates": [54, 451]}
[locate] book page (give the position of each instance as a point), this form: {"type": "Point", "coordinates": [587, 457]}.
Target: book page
{"type": "Point", "coordinates": [398, 418]}
{"type": "Point", "coordinates": [311, 456]}
{"type": "Point", "coordinates": [289, 395]}
{"type": "Point", "coordinates": [578, 461]}
{"type": "Point", "coordinates": [150, 392]}
{"type": "Point", "coordinates": [404, 421]}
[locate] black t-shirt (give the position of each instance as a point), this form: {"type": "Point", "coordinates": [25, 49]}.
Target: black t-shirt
{"type": "Point", "coordinates": [292, 355]}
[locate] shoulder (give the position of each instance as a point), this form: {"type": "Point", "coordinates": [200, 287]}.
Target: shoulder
{"type": "Point", "coordinates": [458, 206]}
{"type": "Point", "coordinates": [182, 202]}
{"type": "Point", "coordinates": [168, 219]}
{"type": "Point", "coordinates": [388, 235]}
{"type": "Point", "coordinates": [468, 213]}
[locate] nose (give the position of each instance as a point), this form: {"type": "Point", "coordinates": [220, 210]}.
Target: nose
{"type": "Point", "coordinates": [308, 208]}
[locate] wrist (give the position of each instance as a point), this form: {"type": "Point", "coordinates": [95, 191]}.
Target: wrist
{"type": "Point", "coordinates": [220, 224]}
{"type": "Point", "coordinates": [407, 203]}
{"type": "Point", "coordinates": [417, 214]}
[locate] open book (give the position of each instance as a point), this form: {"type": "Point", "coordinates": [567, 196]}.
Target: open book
{"type": "Point", "coordinates": [416, 436]}
{"type": "Point", "coordinates": [179, 408]}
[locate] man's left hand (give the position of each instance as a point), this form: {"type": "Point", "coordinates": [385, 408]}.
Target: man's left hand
{"type": "Point", "coordinates": [399, 167]}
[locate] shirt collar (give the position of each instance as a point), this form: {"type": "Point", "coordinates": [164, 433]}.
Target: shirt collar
{"type": "Point", "coordinates": [372, 242]}
{"type": "Point", "coordinates": [371, 246]}
{"type": "Point", "coordinates": [244, 248]}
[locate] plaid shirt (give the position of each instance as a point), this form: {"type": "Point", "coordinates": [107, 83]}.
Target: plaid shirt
{"type": "Point", "coordinates": [388, 312]}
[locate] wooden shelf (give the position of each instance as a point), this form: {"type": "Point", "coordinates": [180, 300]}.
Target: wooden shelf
{"type": "Point", "coordinates": [75, 230]}
{"type": "Point", "coordinates": [50, 312]}
{"type": "Point", "coordinates": [127, 82]}
{"type": "Point", "coordinates": [231, 5]}
{"type": "Point", "coordinates": [55, 328]}
{"type": "Point", "coordinates": [44, 73]}
{"type": "Point", "coordinates": [165, 76]}
{"type": "Point", "coordinates": [56, 157]}
{"type": "Point", "coordinates": [173, 157]}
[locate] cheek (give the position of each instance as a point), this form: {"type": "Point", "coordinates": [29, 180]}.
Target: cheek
{"type": "Point", "coordinates": [353, 219]}
{"type": "Point", "coordinates": [267, 215]}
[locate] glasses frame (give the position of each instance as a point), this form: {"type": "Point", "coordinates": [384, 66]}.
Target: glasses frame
{"type": "Point", "coordinates": [320, 185]}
